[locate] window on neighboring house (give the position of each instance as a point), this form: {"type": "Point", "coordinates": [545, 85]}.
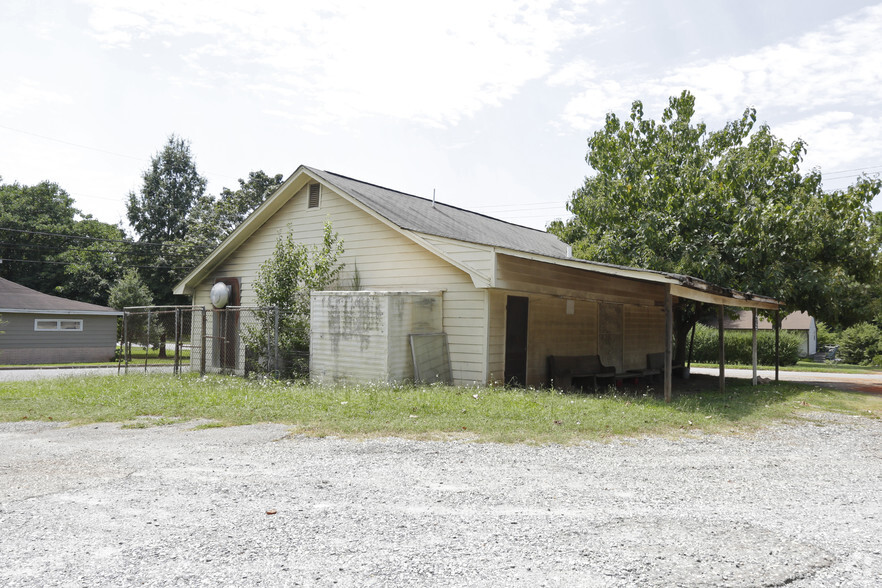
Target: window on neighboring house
{"type": "Point", "coordinates": [314, 193]}
{"type": "Point", "coordinates": [58, 324]}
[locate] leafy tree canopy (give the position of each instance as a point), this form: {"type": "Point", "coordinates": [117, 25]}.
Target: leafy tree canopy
{"type": "Point", "coordinates": [211, 220]}
{"type": "Point", "coordinates": [160, 214]}
{"type": "Point", "coordinates": [729, 206]}
{"type": "Point", "coordinates": [47, 244]}
{"type": "Point", "coordinates": [172, 185]}
{"type": "Point", "coordinates": [129, 290]}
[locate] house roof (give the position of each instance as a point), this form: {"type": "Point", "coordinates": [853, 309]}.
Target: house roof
{"type": "Point", "coordinates": [15, 298]}
{"type": "Point", "coordinates": [414, 214]}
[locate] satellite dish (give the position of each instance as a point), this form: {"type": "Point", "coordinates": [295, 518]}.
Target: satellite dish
{"type": "Point", "coordinates": [220, 295]}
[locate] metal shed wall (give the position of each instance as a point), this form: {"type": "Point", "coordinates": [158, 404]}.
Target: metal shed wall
{"type": "Point", "coordinates": [363, 336]}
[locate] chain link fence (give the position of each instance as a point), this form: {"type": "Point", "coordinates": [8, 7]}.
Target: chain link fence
{"type": "Point", "coordinates": [246, 341]}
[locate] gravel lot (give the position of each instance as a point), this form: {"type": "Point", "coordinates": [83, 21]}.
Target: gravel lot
{"type": "Point", "coordinates": [100, 505]}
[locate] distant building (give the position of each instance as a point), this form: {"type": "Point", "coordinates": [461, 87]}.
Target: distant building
{"type": "Point", "coordinates": [39, 328]}
{"type": "Point", "coordinates": [800, 324]}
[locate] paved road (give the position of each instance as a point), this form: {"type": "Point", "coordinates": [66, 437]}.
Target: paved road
{"type": "Point", "coordinates": [19, 375]}
{"type": "Point", "coordinates": [866, 382]}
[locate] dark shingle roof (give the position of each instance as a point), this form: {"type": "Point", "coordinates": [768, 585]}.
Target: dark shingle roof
{"type": "Point", "coordinates": [17, 297]}
{"type": "Point", "coordinates": [418, 214]}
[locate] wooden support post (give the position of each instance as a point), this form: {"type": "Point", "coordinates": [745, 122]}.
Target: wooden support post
{"type": "Point", "coordinates": [777, 344]}
{"type": "Point", "coordinates": [754, 325]}
{"type": "Point", "coordinates": [669, 340]}
{"type": "Point", "coordinates": [722, 347]}
{"type": "Point", "coordinates": [202, 353]}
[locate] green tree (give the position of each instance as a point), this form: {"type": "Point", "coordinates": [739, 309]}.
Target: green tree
{"type": "Point", "coordinates": [285, 280]}
{"type": "Point", "coordinates": [171, 186]}
{"type": "Point", "coordinates": [729, 206]}
{"type": "Point", "coordinates": [47, 244]}
{"type": "Point", "coordinates": [211, 220]}
{"type": "Point", "coordinates": [30, 218]}
{"type": "Point", "coordinates": [159, 214]}
{"type": "Point", "coordinates": [92, 264]}
{"type": "Point", "coordinates": [234, 206]}
{"type": "Point", "coordinates": [127, 291]}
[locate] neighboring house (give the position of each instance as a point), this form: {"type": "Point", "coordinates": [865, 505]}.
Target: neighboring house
{"type": "Point", "coordinates": [800, 324]}
{"type": "Point", "coordinates": [510, 296]}
{"type": "Point", "coordinates": [40, 328]}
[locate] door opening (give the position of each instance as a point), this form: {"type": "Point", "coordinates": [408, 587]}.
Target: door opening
{"type": "Point", "coordinates": [516, 313]}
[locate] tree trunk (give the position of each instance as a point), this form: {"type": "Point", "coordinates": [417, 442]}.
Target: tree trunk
{"type": "Point", "coordinates": [685, 316]}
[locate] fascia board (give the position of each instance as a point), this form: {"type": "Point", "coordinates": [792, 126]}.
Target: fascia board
{"type": "Point", "coordinates": [737, 299]}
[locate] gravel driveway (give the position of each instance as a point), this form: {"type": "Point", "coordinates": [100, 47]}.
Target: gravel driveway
{"type": "Point", "coordinates": [99, 505]}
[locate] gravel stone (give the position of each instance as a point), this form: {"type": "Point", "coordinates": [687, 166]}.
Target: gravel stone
{"type": "Point", "coordinates": [98, 505]}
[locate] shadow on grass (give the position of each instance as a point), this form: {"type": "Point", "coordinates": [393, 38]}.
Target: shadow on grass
{"type": "Point", "coordinates": [700, 395]}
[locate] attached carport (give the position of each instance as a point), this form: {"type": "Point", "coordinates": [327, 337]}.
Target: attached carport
{"type": "Point", "coordinates": [648, 297]}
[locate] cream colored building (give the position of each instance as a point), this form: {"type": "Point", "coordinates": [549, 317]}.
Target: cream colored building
{"type": "Point", "coordinates": [509, 295]}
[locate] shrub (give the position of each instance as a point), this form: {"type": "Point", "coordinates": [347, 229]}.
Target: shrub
{"type": "Point", "coordinates": [739, 347]}
{"type": "Point", "coordinates": [860, 344]}
{"type": "Point", "coordinates": [825, 335]}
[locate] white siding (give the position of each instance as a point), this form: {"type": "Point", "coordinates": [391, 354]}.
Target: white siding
{"type": "Point", "coordinates": [495, 301]}
{"type": "Point", "coordinates": [477, 258]}
{"type": "Point", "coordinates": [385, 260]}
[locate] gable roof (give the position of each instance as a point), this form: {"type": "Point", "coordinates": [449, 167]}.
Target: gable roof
{"type": "Point", "coordinates": [15, 298]}
{"type": "Point", "coordinates": [414, 213]}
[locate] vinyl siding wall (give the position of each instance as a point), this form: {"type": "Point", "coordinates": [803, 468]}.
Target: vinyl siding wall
{"type": "Point", "coordinates": [384, 259]}
{"type": "Point", "coordinates": [21, 344]}
{"type": "Point", "coordinates": [476, 258]}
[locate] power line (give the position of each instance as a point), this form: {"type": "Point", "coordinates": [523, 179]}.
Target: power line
{"type": "Point", "coordinates": [122, 241]}
{"type": "Point", "coordinates": [5, 259]}
{"type": "Point", "coordinates": [60, 250]}
{"type": "Point", "coordinates": [71, 144]}
{"type": "Point", "coordinates": [96, 149]}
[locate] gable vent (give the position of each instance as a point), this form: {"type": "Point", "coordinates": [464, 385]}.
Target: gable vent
{"type": "Point", "coordinates": [314, 191]}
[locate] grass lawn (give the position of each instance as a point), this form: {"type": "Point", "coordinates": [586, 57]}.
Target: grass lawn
{"type": "Point", "coordinates": [483, 414]}
{"type": "Point", "coordinates": [138, 355]}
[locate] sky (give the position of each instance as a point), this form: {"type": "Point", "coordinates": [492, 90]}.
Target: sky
{"type": "Point", "coordinates": [487, 104]}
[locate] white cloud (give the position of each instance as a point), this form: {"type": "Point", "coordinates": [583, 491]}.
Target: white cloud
{"type": "Point", "coordinates": [28, 94]}
{"type": "Point", "coordinates": [835, 68]}
{"type": "Point", "coordinates": [835, 139]}
{"type": "Point", "coordinates": [338, 60]}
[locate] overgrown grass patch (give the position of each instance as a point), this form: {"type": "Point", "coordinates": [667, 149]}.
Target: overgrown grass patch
{"type": "Point", "coordinates": [484, 414]}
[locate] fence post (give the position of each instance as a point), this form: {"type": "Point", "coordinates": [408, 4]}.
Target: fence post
{"type": "Point", "coordinates": [125, 348]}
{"type": "Point", "coordinates": [175, 369]}
{"type": "Point", "coordinates": [202, 355]}
{"type": "Point", "coordinates": [147, 351]}
{"type": "Point", "coordinates": [276, 341]}
{"type": "Point", "coordinates": [264, 324]}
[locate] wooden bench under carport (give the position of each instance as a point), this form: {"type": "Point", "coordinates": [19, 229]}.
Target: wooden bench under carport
{"type": "Point", "coordinates": [563, 370]}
